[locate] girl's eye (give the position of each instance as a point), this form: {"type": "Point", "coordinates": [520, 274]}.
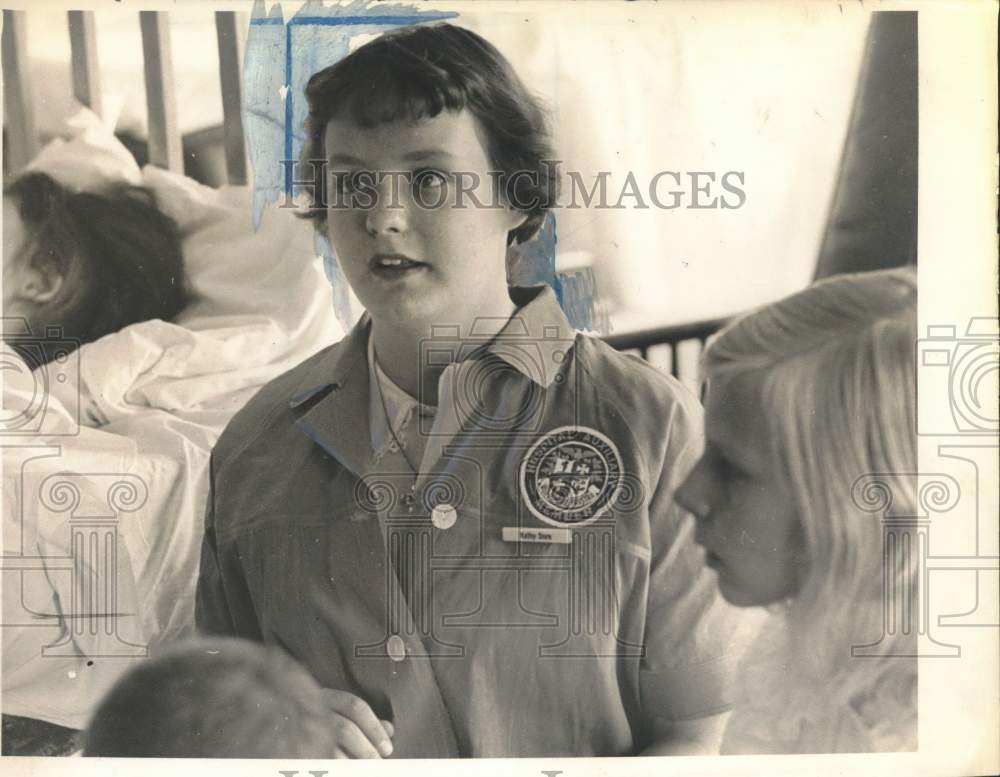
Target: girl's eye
{"type": "Point", "coordinates": [341, 182]}
{"type": "Point", "coordinates": [348, 183]}
{"type": "Point", "coordinates": [429, 179]}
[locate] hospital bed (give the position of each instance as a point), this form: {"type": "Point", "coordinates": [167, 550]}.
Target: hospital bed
{"type": "Point", "coordinates": [105, 449]}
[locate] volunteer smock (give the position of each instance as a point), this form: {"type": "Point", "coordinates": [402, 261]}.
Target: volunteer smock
{"type": "Point", "coordinates": [534, 591]}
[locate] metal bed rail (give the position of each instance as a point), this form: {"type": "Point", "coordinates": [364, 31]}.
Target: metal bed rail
{"type": "Point", "coordinates": [675, 349]}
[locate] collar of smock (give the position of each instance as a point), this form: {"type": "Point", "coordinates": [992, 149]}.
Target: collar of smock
{"type": "Point", "coordinates": [537, 338]}
{"type": "Point", "coordinates": [535, 341]}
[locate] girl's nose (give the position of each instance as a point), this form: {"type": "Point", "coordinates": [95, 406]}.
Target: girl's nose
{"type": "Point", "coordinates": [382, 220]}
{"type": "Point", "coordinates": [693, 494]}
{"type": "Point", "coordinates": [389, 213]}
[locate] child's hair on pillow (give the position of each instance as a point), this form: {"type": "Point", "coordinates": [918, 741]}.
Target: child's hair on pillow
{"type": "Point", "coordinates": [214, 698]}
{"type": "Point", "coordinates": [89, 262]}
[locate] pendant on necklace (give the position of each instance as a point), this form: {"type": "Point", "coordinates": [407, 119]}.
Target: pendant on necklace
{"type": "Point", "coordinates": [410, 498]}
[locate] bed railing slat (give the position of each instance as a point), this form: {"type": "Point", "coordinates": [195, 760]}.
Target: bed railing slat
{"type": "Point", "coordinates": [84, 65]}
{"type": "Point", "coordinates": [19, 104]}
{"type": "Point", "coordinates": [161, 103]}
{"type": "Point", "coordinates": [227, 27]}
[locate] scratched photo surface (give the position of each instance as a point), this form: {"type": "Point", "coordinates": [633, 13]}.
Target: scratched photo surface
{"type": "Point", "coordinates": [540, 380]}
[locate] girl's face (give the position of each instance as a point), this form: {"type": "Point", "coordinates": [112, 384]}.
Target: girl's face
{"type": "Point", "coordinates": [424, 252]}
{"type": "Point", "coordinates": [745, 517]}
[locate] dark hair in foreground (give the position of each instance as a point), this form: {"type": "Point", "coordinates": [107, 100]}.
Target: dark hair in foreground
{"type": "Point", "coordinates": [417, 72]}
{"type": "Point", "coordinates": [118, 255]}
{"type": "Point", "coordinates": [214, 698]}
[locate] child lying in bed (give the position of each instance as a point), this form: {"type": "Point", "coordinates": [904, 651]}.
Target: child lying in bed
{"type": "Point", "coordinates": [807, 398]}
{"type": "Point", "coordinates": [140, 406]}
{"type": "Point", "coordinates": [89, 262]}
{"type": "Point", "coordinates": [211, 699]}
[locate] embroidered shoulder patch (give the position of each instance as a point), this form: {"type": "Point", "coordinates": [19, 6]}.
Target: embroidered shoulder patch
{"type": "Point", "coordinates": [570, 476]}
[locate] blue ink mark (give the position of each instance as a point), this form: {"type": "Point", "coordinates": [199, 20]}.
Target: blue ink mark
{"type": "Point", "coordinates": [262, 105]}
{"type": "Point", "coordinates": [280, 58]}
{"type": "Point", "coordinates": [341, 295]}
{"type": "Point", "coordinates": [580, 302]}
{"type": "Point", "coordinates": [336, 21]}
{"type": "Point", "coordinates": [534, 262]}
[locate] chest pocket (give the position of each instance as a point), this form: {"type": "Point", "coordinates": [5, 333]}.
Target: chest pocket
{"type": "Point", "coordinates": [556, 598]}
{"type": "Point", "coordinates": [588, 584]}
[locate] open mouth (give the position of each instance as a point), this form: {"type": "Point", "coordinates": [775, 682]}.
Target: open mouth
{"type": "Point", "coordinates": [392, 265]}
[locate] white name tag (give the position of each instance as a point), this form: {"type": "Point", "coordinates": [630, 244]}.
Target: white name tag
{"type": "Point", "coordinates": [519, 534]}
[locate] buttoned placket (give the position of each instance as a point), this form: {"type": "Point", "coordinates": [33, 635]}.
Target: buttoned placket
{"type": "Point", "coordinates": [452, 451]}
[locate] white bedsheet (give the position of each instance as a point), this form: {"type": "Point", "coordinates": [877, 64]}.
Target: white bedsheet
{"type": "Point", "coordinates": [140, 408]}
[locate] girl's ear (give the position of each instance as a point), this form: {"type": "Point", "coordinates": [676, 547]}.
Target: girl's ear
{"type": "Point", "coordinates": [38, 285]}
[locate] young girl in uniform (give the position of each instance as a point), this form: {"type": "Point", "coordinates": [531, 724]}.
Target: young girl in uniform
{"type": "Point", "coordinates": [459, 518]}
{"type": "Point", "coordinates": [810, 432]}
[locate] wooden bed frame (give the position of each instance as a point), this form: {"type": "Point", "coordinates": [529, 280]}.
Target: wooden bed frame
{"type": "Point", "coordinates": [161, 104]}
{"type": "Point", "coordinates": [165, 142]}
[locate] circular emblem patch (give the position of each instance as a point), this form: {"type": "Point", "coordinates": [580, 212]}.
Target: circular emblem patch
{"type": "Point", "coordinates": [570, 476]}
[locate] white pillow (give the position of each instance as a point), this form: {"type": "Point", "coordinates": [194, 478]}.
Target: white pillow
{"type": "Point", "coordinates": [90, 156]}
{"type": "Point", "coordinates": [261, 302]}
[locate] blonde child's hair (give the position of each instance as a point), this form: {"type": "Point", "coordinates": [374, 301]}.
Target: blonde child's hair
{"type": "Point", "coordinates": [835, 365]}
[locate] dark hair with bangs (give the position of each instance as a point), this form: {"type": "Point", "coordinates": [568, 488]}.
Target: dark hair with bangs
{"type": "Point", "coordinates": [417, 72]}
{"type": "Point", "coordinates": [119, 257]}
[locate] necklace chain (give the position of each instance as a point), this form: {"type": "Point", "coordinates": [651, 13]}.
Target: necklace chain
{"type": "Point", "coordinates": [392, 432]}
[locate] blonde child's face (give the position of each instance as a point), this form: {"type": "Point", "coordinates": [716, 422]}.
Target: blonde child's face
{"type": "Point", "coordinates": [422, 252]}
{"type": "Point", "coordinates": [745, 516]}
